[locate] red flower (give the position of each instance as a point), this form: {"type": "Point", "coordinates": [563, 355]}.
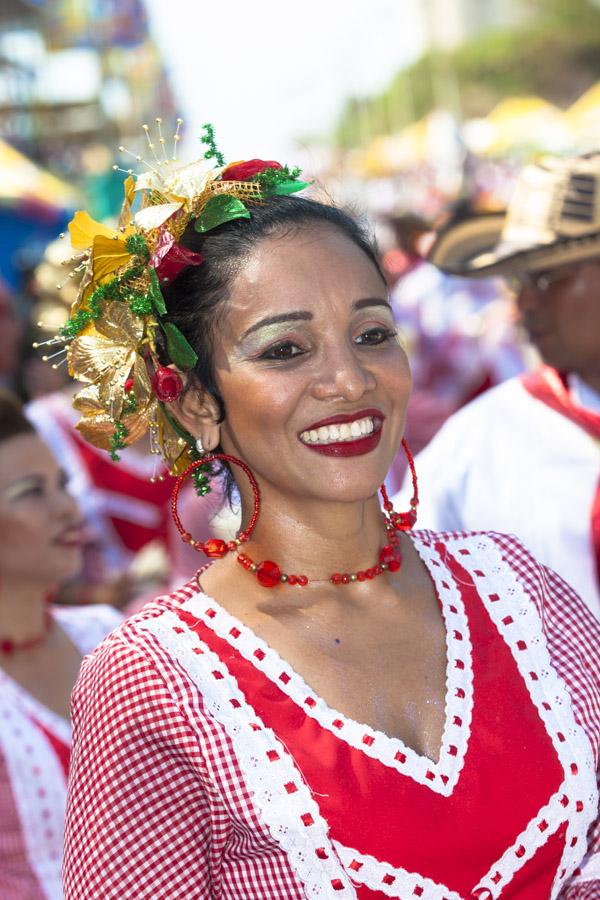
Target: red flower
{"type": "Point", "coordinates": [169, 258]}
{"type": "Point", "coordinates": [242, 171]}
{"type": "Point", "coordinates": [167, 384]}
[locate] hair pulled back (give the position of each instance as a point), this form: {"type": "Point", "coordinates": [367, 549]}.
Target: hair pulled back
{"type": "Point", "coordinates": [13, 421]}
{"type": "Point", "coordinates": [196, 298]}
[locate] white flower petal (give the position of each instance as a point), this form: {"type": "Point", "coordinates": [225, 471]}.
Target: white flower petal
{"type": "Point", "coordinates": [153, 216]}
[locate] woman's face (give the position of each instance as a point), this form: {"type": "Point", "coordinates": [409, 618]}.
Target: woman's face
{"type": "Point", "coordinates": [39, 521]}
{"type": "Point", "coordinates": [314, 379]}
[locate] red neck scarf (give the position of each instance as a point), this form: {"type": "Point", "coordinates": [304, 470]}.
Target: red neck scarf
{"type": "Point", "coordinates": [551, 388]}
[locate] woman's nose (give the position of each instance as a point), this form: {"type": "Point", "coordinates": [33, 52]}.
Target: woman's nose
{"type": "Point", "coordinates": [342, 375]}
{"type": "Point", "coordinates": [65, 505]}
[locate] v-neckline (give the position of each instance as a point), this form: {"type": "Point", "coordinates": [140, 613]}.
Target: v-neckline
{"type": "Point", "coordinates": [440, 776]}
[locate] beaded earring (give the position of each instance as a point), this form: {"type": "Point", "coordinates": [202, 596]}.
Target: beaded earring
{"type": "Point", "coordinates": [267, 572]}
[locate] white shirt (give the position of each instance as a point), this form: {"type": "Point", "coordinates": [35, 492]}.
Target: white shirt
{"type": "Point", "coordinates": [508, 462]}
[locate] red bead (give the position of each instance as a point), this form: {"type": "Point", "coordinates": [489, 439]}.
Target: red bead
{"type": "Point", "coordinates": [292, 579]}
{"type": "Point", "coordinates": [215, 548]}
{"type": "Point", "coordinates": [231, 545]}
{"type": "Point", "coordinates": [370, 573]}
{"type": "Point", "coordinates": [377, 569]}
{"type": "Point", "coordinates": [302, 580]}
{"type": "Point", "coordinates": [337, 578]}
{"type": "Point", "coordinates": [268, 573]}
{"type": "Point", "coordinates": [386, 554]}
{"type": "Point", "coordinates": [6, 646]}
{"type": "Point", "coordinates": [361, 576]}
{"type": "Point", "coordinates": [404, 521]}
{"type": "Point", "coordinates": [345, 579]}
{"type": "Point", "coordinates": [393, 565]}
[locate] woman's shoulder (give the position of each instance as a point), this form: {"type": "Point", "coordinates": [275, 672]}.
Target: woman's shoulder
{"type": "Point", "coordinates": [515, 588]}
{"type": "Point", "coordinates": [484, 552]}
{"type": "Point", "coordinates": [131, 654]}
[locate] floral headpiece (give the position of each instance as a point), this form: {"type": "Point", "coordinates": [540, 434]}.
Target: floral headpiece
{"type": "Point", "coordinates": [110, 338]}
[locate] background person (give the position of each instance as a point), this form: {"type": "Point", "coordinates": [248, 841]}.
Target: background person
{"type": "Point", "coordinates": [524, 457]}
{"type": "Point", "coordinates": [41, 647]}
{"type": "Point", "coordinates": [333, 707]}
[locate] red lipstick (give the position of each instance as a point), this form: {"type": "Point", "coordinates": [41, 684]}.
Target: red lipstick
{"type": "Point", "coordinates": [358, 447]}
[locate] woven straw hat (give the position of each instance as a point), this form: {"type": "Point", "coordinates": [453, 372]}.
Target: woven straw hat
{"type": "Point", "coordinates": [553, 220]}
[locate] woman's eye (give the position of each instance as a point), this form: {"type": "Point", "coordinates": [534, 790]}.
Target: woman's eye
{"type": "Point", "coordinates": [283, 350]}
{"type": "Point", "coordinates": [375, 336]}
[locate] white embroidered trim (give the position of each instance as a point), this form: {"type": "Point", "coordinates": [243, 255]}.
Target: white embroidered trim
{"type": "Point", "coordinates": [517, 621]}
{"type": "Point", "coordinates": [391, 881]}
{"type": "Point", "coordinates": [38, 786]}
{"type": "Point", "coordinates": [278, 789]}
{"type": "Point", "coordinates": [440, 777]}
{"type": "Point", "coordinates": [37, 778]}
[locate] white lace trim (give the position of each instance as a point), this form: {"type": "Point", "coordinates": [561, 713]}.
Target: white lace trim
{"type": "Point", "coordinates": [440, 777]}
{"type": "Point", "coordinates": [278, 789]}
{"type": "Point", "coordinates": [38, 787]}
{"type": "Point", "coordinates": [390, 880]}
{"type": "Point", "coordinates": [37, 778]}
{"type": "Point", "coordinates": [515, 616]}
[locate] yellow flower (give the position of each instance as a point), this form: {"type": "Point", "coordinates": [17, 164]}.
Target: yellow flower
{"type": "Point", "coordinates": [107, 247]}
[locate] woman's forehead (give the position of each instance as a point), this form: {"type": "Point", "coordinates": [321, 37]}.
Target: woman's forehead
{"type": "Point", "coordinates": [314, 267]}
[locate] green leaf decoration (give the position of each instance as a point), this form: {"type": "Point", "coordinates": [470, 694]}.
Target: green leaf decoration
{"type": "Point", "coordinates": [208, 138]}
{"type": "Point", "coordinates": [180, 352]}
{"type": "Point", "coordinates": [156, 294]}
{"type": "Point", "coordinates": [220, 209]}
{"type": "Point", "coordinates": [282, 188]}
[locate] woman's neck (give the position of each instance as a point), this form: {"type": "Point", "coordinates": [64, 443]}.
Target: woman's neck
{"type": "Point", "coordinates": [22, 611]}
{"type": "Point", "coordinates": [317, 538]}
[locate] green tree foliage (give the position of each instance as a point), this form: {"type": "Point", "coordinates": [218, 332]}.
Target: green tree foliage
{"type": "Point", "coordinates": [553, 52]}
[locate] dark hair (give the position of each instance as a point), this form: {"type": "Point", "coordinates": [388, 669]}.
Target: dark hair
{"type": "Point", "coordinates": [13, 421]}
{"type": "Point", "coordinates": [195, 298]}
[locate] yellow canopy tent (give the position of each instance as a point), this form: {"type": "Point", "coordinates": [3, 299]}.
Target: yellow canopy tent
{"type": "Point", "coordinates": [22, 181]}
{"type": "Point", "coordinates": [387, 155]}
{"type": "Point", "coordinates": [526, 123]}
{"type": "Point", "coordinates": [583, 118]}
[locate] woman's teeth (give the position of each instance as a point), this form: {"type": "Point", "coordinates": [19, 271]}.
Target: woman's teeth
{"type": "Point", "coordinates": [334, 434]}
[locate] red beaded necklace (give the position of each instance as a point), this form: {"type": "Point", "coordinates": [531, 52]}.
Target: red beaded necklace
{"type": "Point", "coordinates": [8, 647]}
{"type": "Point", "coordinates": [267, 572]}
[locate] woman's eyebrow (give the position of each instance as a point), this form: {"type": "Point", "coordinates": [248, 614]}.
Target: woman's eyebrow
{"type": "Point", "coordinates": [304, 315]}
{"type": "Point", "coordinates": [371, 301]}
{"type": "Point", "coordinates": [282, 317]}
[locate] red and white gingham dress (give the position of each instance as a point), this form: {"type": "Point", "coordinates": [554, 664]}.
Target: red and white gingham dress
{"type": "Point", "coordinates": [35, 743]}
{"type": "Point", "coordinates": [204, 767]}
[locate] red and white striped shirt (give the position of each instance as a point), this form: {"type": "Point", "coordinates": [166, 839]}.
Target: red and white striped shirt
{"type": "Point", "coordinates": [205, 767]}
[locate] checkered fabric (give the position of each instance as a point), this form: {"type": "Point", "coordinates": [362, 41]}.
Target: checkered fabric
{"type": "Point", "coordinates": [159, 806]}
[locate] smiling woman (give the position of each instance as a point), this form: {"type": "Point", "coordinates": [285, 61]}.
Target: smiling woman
{"type": "Point", "coordinates": [404, 718]}
{"type": "Point", "coordinates": [41, 647]}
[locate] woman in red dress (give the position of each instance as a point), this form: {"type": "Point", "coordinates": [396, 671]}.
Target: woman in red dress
{"type": "Point", "coordinates": [41, 647]}
{"type": "Point", "coordinates": [337, 708]}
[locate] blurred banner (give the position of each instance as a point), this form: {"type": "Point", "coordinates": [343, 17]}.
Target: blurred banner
{"type": "Point", "coordinates": [94, 23]}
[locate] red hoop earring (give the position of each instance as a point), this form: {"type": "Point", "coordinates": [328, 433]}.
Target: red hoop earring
{"type": "Point", "coordinates": [403, 521]}
{"type": "Point", "coordinates": [214, 547]}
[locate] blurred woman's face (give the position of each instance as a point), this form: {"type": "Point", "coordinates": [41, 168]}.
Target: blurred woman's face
{"type": "Point", "coordinates": [314, 379]}
{"type": "Point", "coordinates": [40, 525]}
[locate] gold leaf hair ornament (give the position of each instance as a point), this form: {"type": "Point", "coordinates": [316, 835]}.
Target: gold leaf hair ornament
{"type": "Point", "coordinates": [109, 341]}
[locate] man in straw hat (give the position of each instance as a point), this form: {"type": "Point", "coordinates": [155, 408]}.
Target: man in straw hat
{"type": "Point", "coordinates": [525, 457]}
